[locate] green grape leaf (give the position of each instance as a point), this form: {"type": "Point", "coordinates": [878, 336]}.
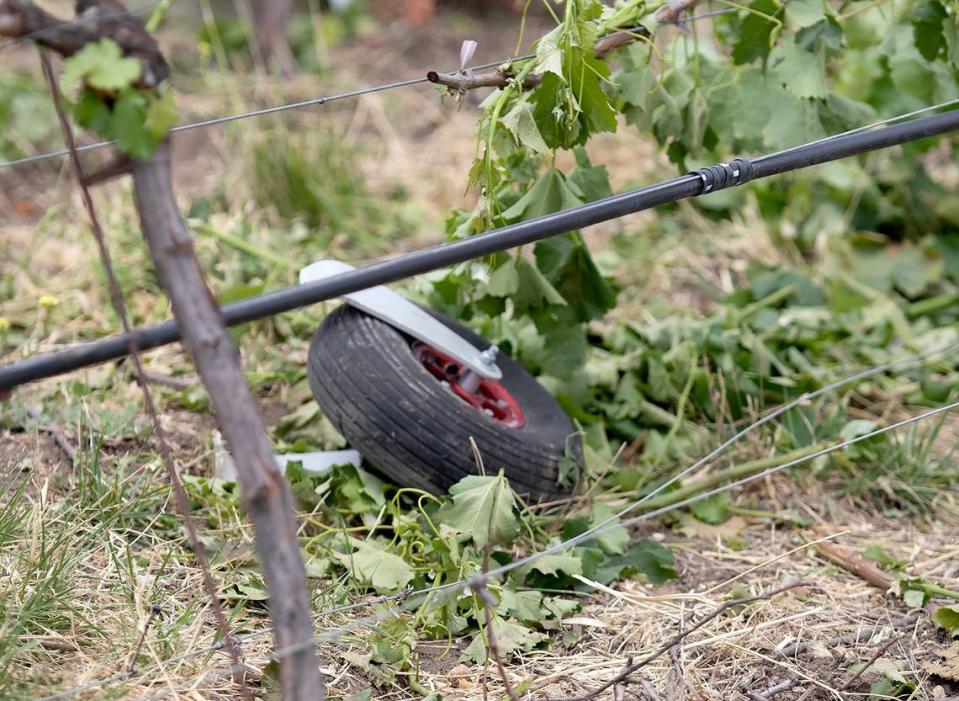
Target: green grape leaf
{"type": "Point", "coordinates": [951, 37]}
{"type": "Point", "coordinates": [550, 114]}
{"type": "Point", "coordinates": [928, 24]}
{"type": "Point", "coordinates": [91, 112]}
{"type": "Point", "coordinates": [525, 606]}
{"type": "Point", "coordinates": [550, 193]}
{"type": "Point", "coordinates": [591, 181]}
{"type": "Point", "coordinates": [755, 32]}
{"type": "Point", "coordinates": [549, 55]}
{"type": "Point", "coordinates": [522, 125]}
{"type": "Point", "coordinates": [913, 271]}
{"type": "Point", "coordinates": [947, 617]}
{"type": "Point", "coordinates": [741, 111]}
{"type": "Point", "coordinates": [713, 510]}
{"type": "Point", "coordinates": [825, 34]}
{"type": "Point", "coordinates": [510, 637]}
{"type": "Point", "coordinates": [553, 254]}
{"type": "Point", "coordinates": [947, 245]}
{"type": "Point", "coordinates": [371, 566]}
{"type": "Point", "coordinates": [792, 121]}
{"type": "Point", "coordinates": [644, 557]}
{"type": "Point", "coordinates": [504, 281]}
{"type": "Point", "coordinates": [801, 72]}
{"type": "Point", "coordinates": [533, 289]}
{"type": "Point", "coordinates": [161, 115]}
{"type": "Point", "coordinates": [804, 13]}
{"type": "Point", "coordinates": [129, 117]}
{"type": "Point", "coordinates": [565, 345]}
{"type": "Point", "coordinates": [556, 564]}
{"type": "Point", "coordinates": [567, 264]}
{"type": "Point", "coordinates": [840, 113]}
{"type": "Point", "coordinates": [914, 598]}
{"type": "Point", "coordinates": [636, 85]}
{"type": "Point", "coordinates": [560, 608]}
{"type": "Point", "coordinates": [483, 507]}
{"type": "Point", "coordinates": [614, 537]}
{"type": "Point", "coordinates": [598, 113]}
{"type": "Point", "coordinates": [913, 75]}
{"type": "Point", "coordinates": [101, 66]}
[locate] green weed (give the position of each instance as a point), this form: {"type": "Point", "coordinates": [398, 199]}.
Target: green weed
{"type": "Point", "coordinates": [313, 177]}
{"type": "Point", "coordinates": [908, 473]}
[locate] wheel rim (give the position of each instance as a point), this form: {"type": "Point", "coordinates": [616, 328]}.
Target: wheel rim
{"type": "Point", "coordinates": [490, 397]}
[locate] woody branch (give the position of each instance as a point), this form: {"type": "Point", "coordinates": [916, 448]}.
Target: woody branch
{"type": "Point", "coordinates": [266, 496]}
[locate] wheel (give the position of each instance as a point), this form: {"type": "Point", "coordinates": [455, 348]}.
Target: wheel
{"type": "Point", "coordinates": [402, 405]}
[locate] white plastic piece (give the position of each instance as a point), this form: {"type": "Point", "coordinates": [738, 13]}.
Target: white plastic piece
{"type": "Point", "coordinates": [321, 461]}
{"type": "Point", "coordinates": [318, 462]}
{"type": "Point", "coordinates": [400, 313]}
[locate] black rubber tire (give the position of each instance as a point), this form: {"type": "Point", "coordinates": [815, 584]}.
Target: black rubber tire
{"type": "Point", "coordinates": [415, 431]}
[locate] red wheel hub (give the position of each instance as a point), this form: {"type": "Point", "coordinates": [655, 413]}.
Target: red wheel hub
{"type": "Point", "coordinates": [490, 396]}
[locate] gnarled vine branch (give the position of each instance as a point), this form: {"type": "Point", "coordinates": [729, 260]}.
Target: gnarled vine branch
{"type": "Point", "coordinates": [265, 493]}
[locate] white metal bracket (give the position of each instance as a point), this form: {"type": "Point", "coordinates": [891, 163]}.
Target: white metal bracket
{"type": "Point", "coordinates": [400, 313]}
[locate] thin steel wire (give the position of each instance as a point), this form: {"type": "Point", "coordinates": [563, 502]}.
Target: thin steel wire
{"type": "Point", "coordinates": [416, 598]}
{"type": "Point", "coordinates": [205, 123]}
{"type": "Point", "coordinates": [613, 521]}
{"type": "Point", "coordinates": [880, 123]}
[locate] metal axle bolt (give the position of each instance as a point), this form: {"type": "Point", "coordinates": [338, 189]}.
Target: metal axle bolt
{"type": "Point", "coordinates": [488, 356]}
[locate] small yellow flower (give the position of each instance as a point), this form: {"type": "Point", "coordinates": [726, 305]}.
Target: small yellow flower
{"type": "Point", "coordinates": [4, 324]}
{"type": "Point", "coordinates": [48, 301]}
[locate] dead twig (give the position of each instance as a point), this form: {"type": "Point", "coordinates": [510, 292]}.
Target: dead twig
{"type": "Point", "coordinates": [178, 383]}
{"type": "Point", "coordinates": [619, 690]}
{"type": "Point", "coordinates": [479, 587]}
{"type": "Point", "coordinates": [676, 679]}
{"type": "Point", "coordinates": [155, 611]}
{"type": "Point", "coordinates": [52, 644]}
{"type": "Point", "coordinates": [649, 690]}
{"type": "Point", "coordinates": [679, 637]}
{"type": "Point", "coordinates": [856, 565]}
{"type": "Point", "coordinates": [772, 691]}
{"type": "Point", "coordinates": [798, 648]}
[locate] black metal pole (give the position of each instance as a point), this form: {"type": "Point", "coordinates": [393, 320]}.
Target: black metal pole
{"type": "Point", "coordinates": [444, 255]}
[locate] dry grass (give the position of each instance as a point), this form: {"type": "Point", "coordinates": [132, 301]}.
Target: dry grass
{"type": "Point", "coordinates": [810, 637]}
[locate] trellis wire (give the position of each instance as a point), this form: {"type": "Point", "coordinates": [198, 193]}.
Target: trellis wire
{"type": "Point", "coordinates": [202, 124]}
{"type": "Point", "coordinates": [336, 97]}
{"type": "Point", "coordinates": [414, 599]}
{"type": "Point", "coordinates": [312, 102]}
